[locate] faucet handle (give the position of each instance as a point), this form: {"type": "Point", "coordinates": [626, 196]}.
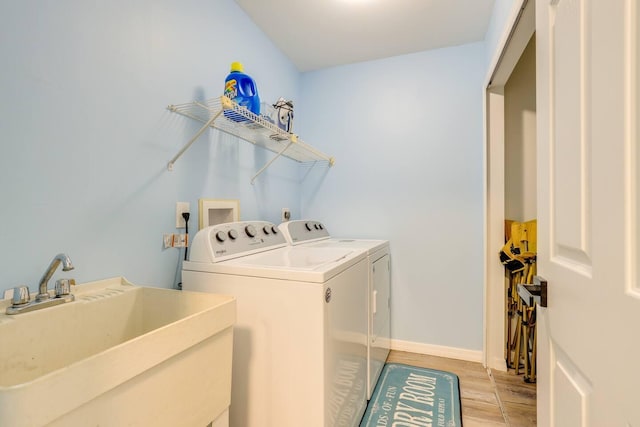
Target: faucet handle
{"type": "Point", "coordinates": [21, 295]}
{"type": "Point", "coordinates": [63, 286]}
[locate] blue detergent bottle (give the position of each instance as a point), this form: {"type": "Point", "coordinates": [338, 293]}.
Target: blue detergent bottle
{"type": "Point", "coordinates": [241, 89]}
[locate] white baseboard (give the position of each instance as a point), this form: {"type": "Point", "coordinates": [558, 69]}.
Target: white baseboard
{"type": "Point", "coordinates": [438, 350]}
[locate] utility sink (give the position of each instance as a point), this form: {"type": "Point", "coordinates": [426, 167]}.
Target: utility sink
{"type": "Point", "coordinates": [118, 355]}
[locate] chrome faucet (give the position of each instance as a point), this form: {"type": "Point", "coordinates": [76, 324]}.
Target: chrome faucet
{"type": "Point", "coordinates": [22, 302]}
{"type": "Point", "coordinates": [43, 293]}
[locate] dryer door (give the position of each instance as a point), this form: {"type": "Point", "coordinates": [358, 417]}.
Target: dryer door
{"type": "Point", "coordinates": [379, 319]}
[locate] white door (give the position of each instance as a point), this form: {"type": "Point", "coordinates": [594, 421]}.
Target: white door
{"type": "Point", "coordinates": [588, 195]}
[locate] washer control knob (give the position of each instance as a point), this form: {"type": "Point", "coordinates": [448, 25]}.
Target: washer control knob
{"type": "Point", "coordinates": [221, 236]}
{"type": "Point", "coordinates": [308, 226]}
{"type": "Point", "coordinates": [233, 234]}
{"type": "Point", "coordinates": [250, 230]}
{"type": "Point", "coordinates": [266, 229]}
{"type": "Point", "coordinates": [274, 230]}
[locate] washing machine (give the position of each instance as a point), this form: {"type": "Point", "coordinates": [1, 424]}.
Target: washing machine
{"type": "Point", "coordinates": [311, 233]}
{"type": "Point", "coordinates": [300, 340]}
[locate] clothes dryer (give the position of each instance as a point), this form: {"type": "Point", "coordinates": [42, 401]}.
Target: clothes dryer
{"type": "Point", "coordinates": [312, 233]}
{"type": "Point", "coordinates": [300, 340]}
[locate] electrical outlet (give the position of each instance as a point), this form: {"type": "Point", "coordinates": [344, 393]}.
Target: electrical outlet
{"type": "Point", "coordinates": [180, 208]}
{"type": "Point", "coordinates": [286, 214]}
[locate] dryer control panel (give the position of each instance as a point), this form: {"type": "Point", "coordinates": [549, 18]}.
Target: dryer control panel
{"type": "Point", "coordinates": [231, 240]}
{"type": "Point", "coordinates": [303, 231]}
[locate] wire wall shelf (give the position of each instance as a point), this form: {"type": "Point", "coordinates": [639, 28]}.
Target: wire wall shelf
{"type": "Point", "coordinates": [223, 114]}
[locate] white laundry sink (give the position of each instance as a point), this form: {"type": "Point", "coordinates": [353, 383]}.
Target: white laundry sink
{"type": "Point", "coordinates": [118, 355]}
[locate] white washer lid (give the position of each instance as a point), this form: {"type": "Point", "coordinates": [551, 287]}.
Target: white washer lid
{"type": "Point", "coordinates": [301, 263]}
{"type": "Point", "coordinates": [370, 246]}
{"type": "Point", "coordinates": [304, 258]}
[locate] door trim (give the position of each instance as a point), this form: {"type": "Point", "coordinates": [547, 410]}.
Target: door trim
{"type": "Point", "coordinates": [518, 31]}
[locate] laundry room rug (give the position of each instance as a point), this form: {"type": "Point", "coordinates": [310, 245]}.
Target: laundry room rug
{"type": "Point", "coordinates": [411, 396]}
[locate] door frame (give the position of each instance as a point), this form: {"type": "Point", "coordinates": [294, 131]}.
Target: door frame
{"type": "Point", "coordinates": [513, 41]}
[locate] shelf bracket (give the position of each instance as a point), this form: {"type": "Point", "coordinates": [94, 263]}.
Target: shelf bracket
{"type": "Point", "coordinates": [271, 161]}
{"type": "Point", "coordinates": [192, 140]}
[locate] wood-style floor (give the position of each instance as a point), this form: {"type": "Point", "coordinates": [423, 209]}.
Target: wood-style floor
{"type": "Point", "coordinates": [489, 398]}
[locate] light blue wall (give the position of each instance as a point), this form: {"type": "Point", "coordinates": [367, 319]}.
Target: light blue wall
{"type": "Point", "coordinates": [86, 136]}
{"type": "Point", "coordinates": [407, 136]}
{"type": "Point", "coordinates": [85, 139]}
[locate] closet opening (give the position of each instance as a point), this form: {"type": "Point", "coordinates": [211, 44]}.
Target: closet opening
{"type": "Point", "coordinates": [520, 205]}
{"type": "Point", "coordinates": [511, 201]}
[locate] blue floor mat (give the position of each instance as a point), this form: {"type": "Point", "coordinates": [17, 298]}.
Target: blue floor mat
{"type": "Point", "coordinates": [411, 396]}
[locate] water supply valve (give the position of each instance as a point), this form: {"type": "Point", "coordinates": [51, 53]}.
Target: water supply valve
{"type": "Point", "coordinates": [63, 287]}
{"type": "Point", "coordinates": [21, 296]}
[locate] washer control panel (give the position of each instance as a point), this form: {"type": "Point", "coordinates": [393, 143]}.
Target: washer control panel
{"type": "Point", "coordinates": [302, 231]}
{"type": "Point", "coordinates": [231, 240]}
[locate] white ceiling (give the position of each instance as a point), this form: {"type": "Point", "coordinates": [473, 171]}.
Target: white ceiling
{"type": "Point", "coordinates": [317, 34]}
